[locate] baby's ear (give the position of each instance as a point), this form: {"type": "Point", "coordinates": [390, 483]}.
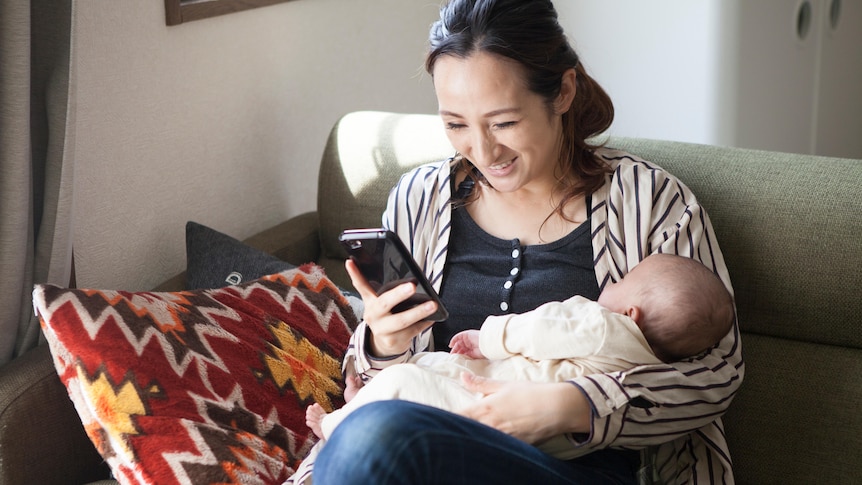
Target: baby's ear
{"type": "Point", "coordinates": [634, 312]}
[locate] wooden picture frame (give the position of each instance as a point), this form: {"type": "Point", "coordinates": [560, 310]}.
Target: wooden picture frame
{"type": "Point", "coordinates": [180, 11]}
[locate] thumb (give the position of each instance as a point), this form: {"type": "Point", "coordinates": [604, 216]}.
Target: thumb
{"type": "Point", "coordinates": [479, 384]}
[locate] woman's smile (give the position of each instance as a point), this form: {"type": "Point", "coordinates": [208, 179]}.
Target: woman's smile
{"type": "Point", "coordinates": [497, 167]}
{"type": "Point", "coordinates": [505, 130]}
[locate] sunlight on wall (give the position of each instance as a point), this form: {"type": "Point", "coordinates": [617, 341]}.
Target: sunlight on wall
{"type": "Point", "coordinates": [420, 139]}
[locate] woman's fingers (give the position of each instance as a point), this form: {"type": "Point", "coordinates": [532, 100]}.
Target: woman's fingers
{"type": "Point", "coordinates": [359, 282]}
{"type": "Point", "coordinates": [391, 333]}
{"type": "Point", "coordinates": [384, 303]}
{"type": "Point", "coordinates": [529, 411]}
{"type": "Point", "coordinates": [482, 385]}
{"type": "Point", "coordinates": [394, 339]}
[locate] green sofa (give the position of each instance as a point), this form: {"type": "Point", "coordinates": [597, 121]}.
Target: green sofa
{"type": "Point", "coordinates": [790, 227]}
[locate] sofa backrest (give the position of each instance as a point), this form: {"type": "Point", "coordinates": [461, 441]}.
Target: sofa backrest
{"type": "Point", "coordinates": [789, 227]}
{"type": "Point", "coordinates": [364, 156]}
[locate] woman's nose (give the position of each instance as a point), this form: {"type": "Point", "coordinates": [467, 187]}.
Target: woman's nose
{"type": "Point", "coordinates": [484, 147]}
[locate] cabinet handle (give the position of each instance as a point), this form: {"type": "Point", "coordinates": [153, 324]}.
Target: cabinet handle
{"type": "Point", "coordinates": [834, 13]}
{"type": "Point", "coordinates": [803, 19]}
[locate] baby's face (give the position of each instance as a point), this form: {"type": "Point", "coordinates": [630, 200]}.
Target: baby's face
{"type": "Point", "coordinates": [620, 297]}
{"type": "Point", "coordinates": [613, 297]}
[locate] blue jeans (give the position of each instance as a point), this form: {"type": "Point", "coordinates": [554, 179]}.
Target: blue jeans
{"type": "Point", "coordinates": [399, 442]}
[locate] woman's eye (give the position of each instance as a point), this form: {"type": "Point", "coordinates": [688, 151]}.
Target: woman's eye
{"type": "Point", "coordinates": [504, 125]}
{"type": "Point", "coordinates": [454, 126]}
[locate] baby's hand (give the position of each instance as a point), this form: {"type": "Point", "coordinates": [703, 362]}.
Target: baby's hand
{"type": "Point", "coordinates": [466, 343]}
{"type": "Point", "coordinates": [314, 415]}
{"type": "Point", "coordinates": [352, 384]}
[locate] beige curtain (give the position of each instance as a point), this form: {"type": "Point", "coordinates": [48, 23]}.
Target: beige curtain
{"type": "Point", "coordinates": [36, 160]}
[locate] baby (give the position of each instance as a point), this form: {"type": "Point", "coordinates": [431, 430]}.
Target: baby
{"type": "Point", "coordinates": [667, 308]}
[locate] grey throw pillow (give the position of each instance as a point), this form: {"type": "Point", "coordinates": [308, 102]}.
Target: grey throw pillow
{"type": "Point", "coordinates": [215, 260]}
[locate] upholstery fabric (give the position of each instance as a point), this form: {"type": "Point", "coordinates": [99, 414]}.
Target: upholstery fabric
{"type": "Point", "coordinates": [205, 386]}
{"type": "Point", "coordinates": [796, 418]}
{"type": "Point", "coordinates": [214, 259]}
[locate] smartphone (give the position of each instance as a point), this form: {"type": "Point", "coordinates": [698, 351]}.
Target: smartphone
{"type": "Point", "coordinates": [386, 263]}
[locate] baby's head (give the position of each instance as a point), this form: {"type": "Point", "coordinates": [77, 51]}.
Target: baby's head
{"type": "Point", "coordinates": [681, 306]}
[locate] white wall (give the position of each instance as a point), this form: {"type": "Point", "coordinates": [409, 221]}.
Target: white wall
{"type": "Point", "coordinates": [727, 72]}
{"type": "Point", "coordinates": [662, 62]}
{"type": "Point", "coordinates": [221, 120]}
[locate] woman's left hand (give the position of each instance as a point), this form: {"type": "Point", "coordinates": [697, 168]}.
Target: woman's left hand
{"type": "Point", "coordinates": [529, 411]}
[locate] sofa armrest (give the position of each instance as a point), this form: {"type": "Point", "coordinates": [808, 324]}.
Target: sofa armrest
{"type": "Point", "coordinates": [296, 240]}
{"type": "Point", "coordinates": [41, 436]}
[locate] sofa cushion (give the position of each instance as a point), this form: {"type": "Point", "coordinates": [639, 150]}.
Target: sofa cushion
{"type": "Point", "coordinates": [205, 386]}
{"type": "Point", "coordinates": [214, 259]}
{"type": "Point", "coordinates": [815, 387]}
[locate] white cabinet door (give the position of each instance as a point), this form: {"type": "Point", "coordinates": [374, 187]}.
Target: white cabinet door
{"type": "Point", "coordinates": [839, 109]}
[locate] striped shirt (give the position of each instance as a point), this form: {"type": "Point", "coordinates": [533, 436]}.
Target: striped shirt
{"type": "Point", "coordinates": [641, 209]}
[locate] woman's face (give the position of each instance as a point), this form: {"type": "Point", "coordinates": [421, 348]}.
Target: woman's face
{"type": "Point", "coordinates": [508, 132]}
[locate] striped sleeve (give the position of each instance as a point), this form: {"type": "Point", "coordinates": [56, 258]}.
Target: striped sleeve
{"type": "Point", "coordinates": [645, 210]}
{"type": "Point", "coordinates": [418, 211]}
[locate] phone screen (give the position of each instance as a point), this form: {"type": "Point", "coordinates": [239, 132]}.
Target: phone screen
{"type": "Point", "coordinates": [384, 261]}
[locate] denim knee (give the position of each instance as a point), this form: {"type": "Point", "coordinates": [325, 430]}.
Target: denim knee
{"type": "Point", "coordinates": [364, 445]}
{"type": "Point", "coordinates": [375, 422]}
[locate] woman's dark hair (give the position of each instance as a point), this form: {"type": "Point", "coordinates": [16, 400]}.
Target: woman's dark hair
{"type": "Point", "coordinates": [528, 32]}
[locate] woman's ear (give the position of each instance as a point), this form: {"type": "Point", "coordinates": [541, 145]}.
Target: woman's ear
{"type": "Point", "coordinates": [568, 88]}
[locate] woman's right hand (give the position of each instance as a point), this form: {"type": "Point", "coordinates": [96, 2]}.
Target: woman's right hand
{"type": "Point", "coordinates": [391, 333]}
{"type": "Point", "coordinates": [529, 411]}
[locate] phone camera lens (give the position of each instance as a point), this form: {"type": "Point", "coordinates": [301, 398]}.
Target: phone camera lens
{"type": "Point", "coordinates": [355, 244]}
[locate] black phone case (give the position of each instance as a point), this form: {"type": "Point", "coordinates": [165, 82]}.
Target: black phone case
{"type": "Point", "coordinates": [386, 263]}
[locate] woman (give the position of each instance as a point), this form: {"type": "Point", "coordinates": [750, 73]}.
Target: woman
{"type": "Point", "coordinates": [529, 211]}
